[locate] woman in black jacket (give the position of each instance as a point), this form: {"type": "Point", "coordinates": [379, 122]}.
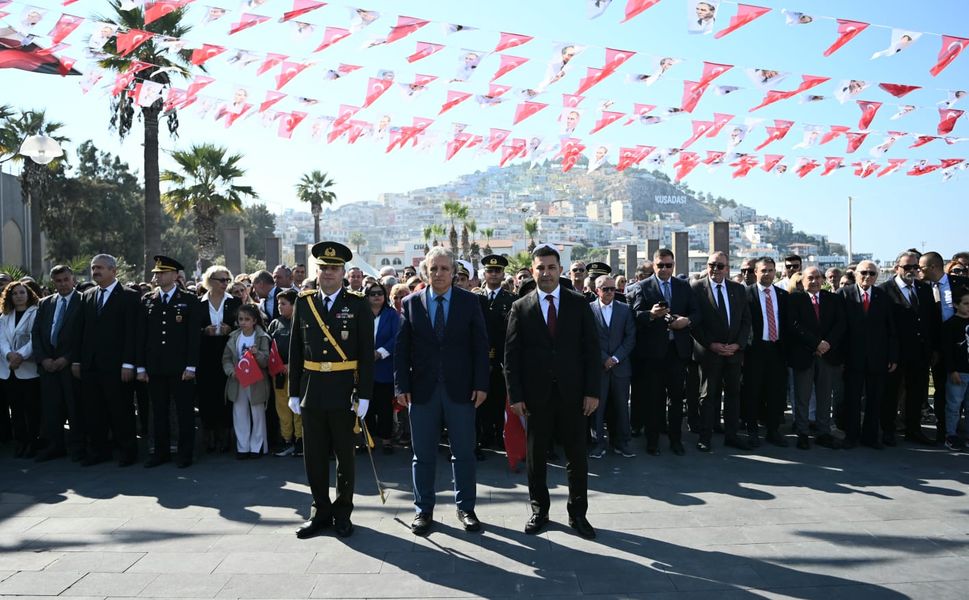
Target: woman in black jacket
{"type": "Point", "coordinates": [219, 314]}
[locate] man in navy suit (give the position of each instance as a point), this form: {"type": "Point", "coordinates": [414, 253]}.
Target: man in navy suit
{"type": "Point", "coordinates": [441, 372]}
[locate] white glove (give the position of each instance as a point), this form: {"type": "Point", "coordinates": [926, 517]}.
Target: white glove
{"type": "Point", "coordinates": [362, 406]}
{"type": "Point", "coordinates": [294, 405]}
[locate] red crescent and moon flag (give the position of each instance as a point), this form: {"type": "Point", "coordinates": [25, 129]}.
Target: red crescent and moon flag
{"type": "Point", "coordinates": [855, 140]}
{"type": "Point", "coordinates": [806, 167]}
{"type": "Point", "coordinates": [699, 129]}
{"type": "Point", "coordinates": [831, 163]}
{"type": "Point", "coordinates": [920, 169]}
{"type": "Point", "coordinates": [247, 20]}
{"type": "Point", "coordinates": [614, 60]}
{"type": "Point", "coordinates": [627, 158]}
{"type": "Point", "coordinates": [947, 120]}
{"type": "Point", "coordinates": [510, 40]}
{"type": "Point", "coordinates": [644, 152]}
{"type": "Point", "coordinates": [287, 70]}
{"type": "Point", "coordinates": [345, 113]}
{"type": "Point", "coordinates": [711, 71]}
{"type": "Point", "coordinates": [639, 110]}
{"type": "Point", "coordinates": [332, 35]}
{"type": "Point", "coordinates": [454, 97]}
{"type": "Point", "coordinates": [65, 25]}
{"type": "Point", "coordinates": [898, 89]}
{"type": "Point", "coordinates": [276, 365]}
{"type": "Point", "coordinates": [770, 161]}
{"type": "Point", "coordinates": [775, 133]}
{"type": "Point", "coordinates": [405, 26]}
{"type": "Point", "coordinates": [496, 138]}
{"type": "Point", "coordinates": [951, 48]}
{"type": "Point", "coordinates": [865, 169]}
{"type": "Point", "coordinates": [514, 437]}
{"type": "Point", "coordinates": [636, 7]}
{"type": "Point", "coordinates": [128, 42]}
{"type": "Point", "coordinates": [847, 30]}
{"type": "Point", "coordinates": [605, 119]}
{"type": "Point", "coordinates": [833, 132]}
{"type": "Point", "coordinates": [720, 121]}
{"type": "Point", "coordinates": [893, 165]}
{"type": "Point", "coordinates": [508, 64]}
{"type": "Point", "coordinates": [686, 162]}
{"type": "Point", "coordinates": [271, 99]}
{"type": "Point", "coordinates": [744, 165]}
{"type": "Point", "coordinates": [205, 53]}
{"type": "Point", "coordinates": [424, 49]}
{"type": "Point", "coordinates": [527, 109]}
{"type": "Point", "coordinates": [571, 151]}
{"type": "Point", "coordinates": [571, 100]}
{"type": "Point", "coordinates": [868, 110]}
{"type": "Point", "coordinates": [247, 370]}
{"type": "Point", "coordinates": [508, 152]}
{"type": "Point", "coordinates": [592, 77]}
{"type": "Point", "coordinates": [922, 140]}
{"type": "Point", "coordinates": [807, 82]}
{"type": "Point", "coordinates": [270, 62]}
{"type": "Point", "coordinates": [745, 14]}
{"type": "Point", "coordinates": [714, 157]}
{"type": "Point", "coordinates": [161, 8]}
{"type": "Point", "coordinates": [199, 82]}
{"type": "Point", "coordinates": [288, 123]}
{"type": "Point", "coordinates": [692, 92]}
{"type": "Point", "coordinates": [376, 88]}
{"type": "Point", "coordinates": [300, 8]}
{"type": "Point", "coordinates": [455, 145]}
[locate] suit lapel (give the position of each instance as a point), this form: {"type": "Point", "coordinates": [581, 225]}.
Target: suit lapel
{"type": "Point", "coordinates": [536, 310]}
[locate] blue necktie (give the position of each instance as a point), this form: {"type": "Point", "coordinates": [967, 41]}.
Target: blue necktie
{"type": "Point", "coordinates": [666, 291]}
{"type": "Point", "coordinates": [439, 318]}
{"type": "Point", "coordinates": [58, 320]}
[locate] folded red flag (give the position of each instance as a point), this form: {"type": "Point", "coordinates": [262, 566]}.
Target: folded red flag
{"type": "Point", "coordinates": [247, 370]}
{"type": "Point", "coordinates": [276, 365]}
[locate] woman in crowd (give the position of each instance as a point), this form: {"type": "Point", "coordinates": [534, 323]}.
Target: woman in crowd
{"type": "Point", "coordinates": [397, 295]}
{"type": "Point", "coordinates": [386, 324]}
{"type": "Point", "coordinates": [219, 315]}
{"type": "Point", "coordinates": [17, 367]}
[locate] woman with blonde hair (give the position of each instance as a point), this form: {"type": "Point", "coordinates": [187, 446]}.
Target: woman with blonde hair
{"type": "Point", "coordinates": [219, 313]}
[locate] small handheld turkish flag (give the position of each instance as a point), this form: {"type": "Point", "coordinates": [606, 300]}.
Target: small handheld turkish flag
{"type": "Point", "coordinates": [247, 369]}
{"type": "Point", "coordinates": [276, 365]}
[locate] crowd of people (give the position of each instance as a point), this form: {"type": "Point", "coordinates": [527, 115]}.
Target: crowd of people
{"type": "Point", "coordinates": [588, 360]}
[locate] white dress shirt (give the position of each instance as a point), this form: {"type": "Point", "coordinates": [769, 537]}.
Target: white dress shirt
{"type": "Point", "coordinates": [106, 293]}
{"type": "Point", "coordinates": [607, 317]}
{"type": "Point", "coordinates": [764, 291]}
{"type": "Point", "coordinates": [908, 291]}
{"type": "Point", "coordinates": [216, 313]}
{"type": "Point", "coordinates": [726, 296]}
{"type": "Point", "coordinates": [543, 303]}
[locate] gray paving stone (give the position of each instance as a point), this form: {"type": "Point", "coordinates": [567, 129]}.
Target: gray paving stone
{"type": "Point", "coordinates": [346, 561]}
{"type": "Point", "coordinates": [261, 586]}
{"type": "Point", "coordinates": [110, 584]}
{"type": "Point", "coordinates": [95, 562]}
{"type": "Point", "coordinates": [187, 563]}
{"type": "Point", "coordinates": [269, 563]}
{"type": "Point", "coordinates": [37, 583]}
{"type": "Point", "coordinates": [182, 585]}
{"type": "Point", "coordinates": [27, 561]}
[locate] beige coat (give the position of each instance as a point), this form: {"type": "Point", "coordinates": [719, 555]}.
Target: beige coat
{"type": "Point", "coordinates": [259, 391]}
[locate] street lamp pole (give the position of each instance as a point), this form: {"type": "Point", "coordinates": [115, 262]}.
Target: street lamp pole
{"type": "Point", "coordinates": [851, 255]}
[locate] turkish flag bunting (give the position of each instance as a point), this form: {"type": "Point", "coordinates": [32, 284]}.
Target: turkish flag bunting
{"type": "Point", "coordinates": [847, 30]}
{"type": "Point", "coordinates": [868, 110]}
{"type": "Point", "coordinates": [332, 35]}
{"type": "Point", "coordinates": [454, 98]}
{"type": "Point", "coordinates": [496, 91]}
{"type": "Point", "coordinates": [831, 163]}
{"type": "Point", "coordinates": [514, 438]}
{"type": "Point", "coordinates": [300, 8]}
{"type": "Point", "coordinates": [897, 89]}
{"type": "Point", "coordinates": [607, 118]}
{"type": "Point", "coordinates": [921, 168]}
{"type": "Point", "coordinates": [855, 140]}
{"type": "Point", "coordinates": [527, 109]}
{"type": "Point", "coordinates": [247, 20]}
{"type": "Point", "coordinates": [571, 150]}
{"type": "Point", "coordinates": [121, 82]}
{"type": "Point", "coordinates": [512, 150]}
{"type": "Point", "coordinates": [635, 7]}
{"type": "Point", "coordinates": [345, 114]}
{"type": "Point", "coordinates": [686, 163]}
{"type": "Point", "coordinates": [357, 129]}
{"type": "Point", "coordinates": [271, 98]}
{"type": "Point", "coordinates": [288, 123]}
{"type": "Point", "coordinates": [375, 88]}
{"type": "Point", "coordinates": [405, 26]}
{"type": "Point", "coordinates": [893, 165]}
{"type": "Point", "coordinates": [950, 162]}
{"type": "Point", "coordinates": [510, 40]}
{"type": "Point", "coordinates": [424, 49]}
{"type": "Point", "coordinates": [644, 151]}
{"type": "Point", "coordinates": [638, 111]}
{"type": "Point", "coordinates": [627, 158]}
{"type": "Point", "coordinates": [65, 25]}
{"type": "Point", "coordinates": [720, 120]}
{"type": "Point", "coordinates": [771, 97]}
{"type": "Point", "coordinates": [287, 70]}
{"type": "Point", "coordinates": [810, 81]}
{"type": "Point", "coordinates": [745, 14]}
{"type": "Point", "coordinates": [247, 369]}
{"type": "Point", "coordinates": [161, 8]}
{"type": "Point", "coordinates": [692, 92]}
{"type": "Point", "coordinates": [127, 42]}
{"type": "Point", "coordinates": [744, 165]}
{"type": "Point", "coordinates": [205, 53]}
{"type": "Point", "coordinates": [922, 140]}
{"type": "Point", "coordinates": [951, 48]}
{"type": "Point", "coordinates": [508, 63]}
{"type": "Point", "coordinates": [806, 166]}
{"type": "Point", "coordinates": [276, 365]}
{"type": "Point", "coordinates": [173, 99]}
{"type": "Point", "coordinates": [770, 161]}
{"type": "Point", "coordinates": [571, 100]}
{"type": "Point", "coordinates": [864, 169]}
{"type": "Point", "coordinates": [711, 71]}
{"type": "Point", "coordinates": [777, 132]}
{"type": "Point", "coordinates": [947, 120]}
{"type": "Point", "coordinates": [614, 59]}
{"type": "Point", "coordinates": [455, 145]}
{"type": "Point", "coordinates": [199, 82]}
{"type": "Point", "coordinates": [699, 128]}
{"type": "Point", "coordinates": [835, 131]}
{"type": "Point", "coordinates": [147, 93]}
{"type": "Point", "coordinates": [497, 138]}
{"type": "Point", "coordinates": [336, 131]}
{"type": "Point", "coordinates": [714, 157]}
{"type": "Point", "coordinates": [592, 77]}
{"type": "Point", "coordinates": [270, 62]}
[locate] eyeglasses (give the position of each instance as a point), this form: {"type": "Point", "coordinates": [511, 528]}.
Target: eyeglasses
{"type": "Point", "coordinates": [958, 271]}
{"type": "Point", "coordinates": [222, 279]}
{"type": "Point", "coordinates": [747, 270]}
{"type": "Point", "coordinates": [375, 293]}
{"type": "Point", "coordinates": [716, 266]}
{"type": "Point", "coordinates": [792, 266]}
{"type": "Point", "coordinates": [608, 289]}
{"type": "Point", "coordinates": [578, 270]}
{"type": "Point", "coordinates": [663, 265]}
{"type": "Point", "coordinates": [909, 267]}
{"type": "Point", "coordinates": [867, 273]}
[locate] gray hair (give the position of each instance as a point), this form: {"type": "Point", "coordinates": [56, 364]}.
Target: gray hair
{"type": "Point", "coordinates": [600, 279]}
{"type": "Point", "coordinates": [433, 253]}
{"type": "Point", "coordinates": [907, 254]}
{"type": "Point", "coordinates": [108, 260]}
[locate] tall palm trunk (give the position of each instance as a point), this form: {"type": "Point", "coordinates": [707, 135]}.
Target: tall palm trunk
{"type": "Point", "coordinates": [206, 230]}
{"type": "Point", "coordinates": [31, 189]}
{"type": "Point", "coordinates": [316, 209]}
{"type": "Point", "coordinates": [153, 208]}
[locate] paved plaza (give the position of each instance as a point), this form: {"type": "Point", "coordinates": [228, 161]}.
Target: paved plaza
{"type": "Point", "coordinates": [782, 523]}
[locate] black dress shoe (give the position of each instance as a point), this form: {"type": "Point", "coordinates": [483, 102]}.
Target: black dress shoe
{"type": "Point", "coordinates": [422, 524]}
{"type": "Point", "coordinates": [736, 442]}
{"type": "Point", "coordinates": [919, 438]}
{"type": "Point", "coordinates": [776, 439]}
{"type": "Point", "coordinates": [469, 520]}
{"type": "Point", "coordinates": [343, 528]}
{"type": "Point", "coordinates": [889, 440]}
{"type": "Point", "coordinates": [803, 443]}
{"type": "Point", "coordinates": [753, 439]}
{"type": "Point", "coordinates": [313, 528]}
{"type": "Point", "coordinates": [582, 526]}
{"type": "Point", "coordinates": [536, 523]}
{"type": "Point", "coordinates": [50, 454]}
{"type": "Point", "coordinates": [677, 448]}
{"type": "Point", "coordinates": [703, 446]}
{"type": "Point", "coordinates": [156, 461]}
{"type": "Point", "coordinates": [827, 441]}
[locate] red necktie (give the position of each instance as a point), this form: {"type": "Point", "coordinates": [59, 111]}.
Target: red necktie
{"type": "Point", "coordinates": [552, 317]}
{"type": "Point", "coordinates": [771, 325]}
{"type": "Point", "coordinates": [864, 301]}
{"type": "Point", "coordinates": [817, 308]}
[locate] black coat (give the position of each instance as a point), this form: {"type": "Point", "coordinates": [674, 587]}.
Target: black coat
{"type": "Point", "coordinates": [754, 299]}
{"type": "Point", "coordinates": [807, 332]}
{"type": "Point", "coordinates": [712, 327]}
{"type": "Point", "coordinates": [108, 340]}
{"type": "Point", "coordinates": [496, 322]}
{"type": "Point", "coordinates": [652, 335]}
{"type": "Point", "coordinates": [66, 337]}
{"type": "Point", "coordinates": [916, 327]}
{"type": "Point", "coordinates": [168, 335]}
{"type": "Point", "coordinates": [534, 361]}
{"type": "Point", "coordinates": [871, 343]}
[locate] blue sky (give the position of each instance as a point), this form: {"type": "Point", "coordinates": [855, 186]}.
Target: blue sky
{"type": "Point", "coordinates": [891, 213]}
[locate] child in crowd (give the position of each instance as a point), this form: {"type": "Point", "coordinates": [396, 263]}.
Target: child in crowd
{"type": "Point", "coordinates": [290, 425]}
{"type": "Point", "coordinates": [955, 338]}
{"type": "Point", "coordinates": [249, 402]}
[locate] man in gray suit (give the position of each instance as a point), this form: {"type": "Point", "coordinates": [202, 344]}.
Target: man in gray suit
{"type": "Point", "coordinates": [617, 336]}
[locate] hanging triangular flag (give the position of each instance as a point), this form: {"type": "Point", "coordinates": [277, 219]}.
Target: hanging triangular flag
{"type": "Point", "coordinates": [855, 140]}
{"type": "Point", "coordinates": [635, 7]}
{"type": "Point", "coordinates": [288, 122]}
{"type": "Point", "coordinates": [897, 89]}
{"type": "Point", "coordinates": [247, 20]}
{"type": "Point", "coordinates": [592, 77]}
{"type": "Point", "coordinates": [405, 26]}
{"type": "Point", "coordinates": [424, 49]}
{"type": "Point", "coordinates": [831, 163]}
{"type": "Point", "coordinates": [270, 62]}
{"type": "Point", "coordinates": [847, 30]}
{"type": "Point", "coordinates": [834, 132]}
{"type": "Point", "coordinates": [947, 120]}
{"type": "Point", "coordinates": [686, 162]}
{"type": "Point", "coordinates": [951, 48]}
{"type": "Point", "coordinates": [745, 14]}
{"type": "Point", "coordinates": [205, 53]}
{"type": "Point", "coordinates": [454, 97]}
{"type": "Point", "coordinates": [775, 133]}
{"type": "Point", "coordinates": [300, 8]}
{"type": "Point", "coordinates": [606, 118]}
{"type": "Point", "coordinates": [496, 138]}
{"type": "Point", "coordinates": [375, 89]}
{"type": "Point", "coordinates": [699, 129]}
{"type": "Point", "coordinates": [615, 59]}
{"type": "Point", "coordinates": [128, 42]}
{"type": "Point", "coordinates": [332, 35]}
{"type": "Point", "coordinates": [720, 120]}
{"type": "Point", "coordinates": [711, 71]}
{"type": "Point", "coordinates": [527, 109]}
{"type": "Point", "coordinates": [510, 40]}
{"type": "Point", "coordinates": [893, 165]}
{"type": "Point", "coordinates": [805, 166]}
{"type": "Point", "coordinates": [271, 98]}
{"type": "Point", "coordinates": [868, 110]}
{"type": "Point", "coordinates": [508, 64]}
{"type": "Point", "coordinates": [160, 8]}
{"type": "Point", "coordinates": [770, 161]}
{"type": "Point", "coordinates": [65, 25]}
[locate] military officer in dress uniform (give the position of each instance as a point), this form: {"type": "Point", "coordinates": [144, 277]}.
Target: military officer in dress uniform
{"type": "Point", "coordinates": [331, 363]}
{"type": "Point", "coordinates": [168, 352]}
{"type": "Point", "coordinates": [462, 277]}
{"type": "Point", "coordinates": [495, 303]}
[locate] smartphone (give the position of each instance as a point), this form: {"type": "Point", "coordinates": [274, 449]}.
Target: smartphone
{"type": "Point", "coordinates": [662, 304]}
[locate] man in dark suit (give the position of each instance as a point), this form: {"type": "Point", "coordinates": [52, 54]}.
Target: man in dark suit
{"type": "Point", "coordinates": [55, 329]}
{"type": "Point", "coordinates": [818, 328]}
{"type": "Point", "coordinates": [104, 354]}
{"type": "Point", "coordinates": [932, 269]}
{"type": "Point", "coordinates": [916, 320]}
{"type": "Point", "coordinates": [331, 364]}
{"type": "Point", "coordinates": [719, 344]}
{"type": "Point", "coordinates": [764, 388]}
{"type": "Point", "coordinates": [554, 375]}
{"type": "Point", "coordinates": [168, 353]}
{"type": "Point", "coordinates": [665, 310]}
{"type": "Point", "coordinates": [441, 373]}
{"type": "Point", "coordinates": [495, 304]}
{"type": "Point", "coordinates": [617, 338]}
{"type": "Point", "coordinates": [871, 354]}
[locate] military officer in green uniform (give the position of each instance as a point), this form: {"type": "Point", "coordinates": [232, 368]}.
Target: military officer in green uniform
{"type": "Point", "coordinates": [331, 362]}
{"type": "Point", "coordinates": [495, 304]}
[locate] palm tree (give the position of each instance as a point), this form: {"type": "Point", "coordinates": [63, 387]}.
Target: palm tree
{"type": "Point", "coordinates": [471, 226]}
{"type": "Point", "coordinates": [357, 239]}
{"type": "Point", "coordinates": [34, 178]}
{"type": "Point", "coordinates": [205, 187]}
{"type": "Point", "coordinates": [438, 231]}
{"type": "Point", "coordinates": [314, 188]}
{"type": "Point", "coordinates": [488, 232]}
{"type": "Point", "coordinates": [162, 64]}
{"type": "Point", "coordinates": [428, 231]}
{"type": "Point", "coordinates": [454, 211]}
{"type": "Point", "coordinates": [531, 228]}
